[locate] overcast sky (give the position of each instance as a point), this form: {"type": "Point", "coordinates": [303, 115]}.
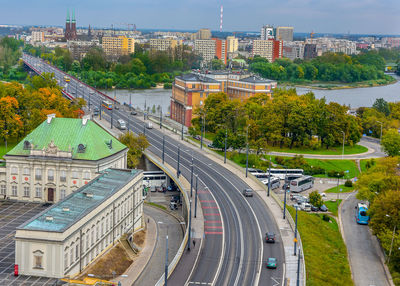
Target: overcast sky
{"type": "Point", "coordinates": [321, 16]}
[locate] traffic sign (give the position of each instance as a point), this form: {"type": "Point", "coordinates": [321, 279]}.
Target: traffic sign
{"type": "Point", "coordinates": [295, 239]}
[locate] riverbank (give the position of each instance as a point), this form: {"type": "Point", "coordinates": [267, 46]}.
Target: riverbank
{"type": "Point", "coordinates": [337, 85]}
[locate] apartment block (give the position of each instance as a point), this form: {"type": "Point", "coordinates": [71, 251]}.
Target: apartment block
{"type": "Point", "coordinates": [164, 44]}
{"type": "Point", "coordinates": [232, 43]}
{"type": "Point", "coordinates": [269, 49]}
{"type": "Point", "coordinates": [284, 34]}
{"type": "Point", "coordinates": [118, 45]}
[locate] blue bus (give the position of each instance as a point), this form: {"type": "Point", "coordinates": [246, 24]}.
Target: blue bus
{"type": "Point", "coordinates": [361, 213]}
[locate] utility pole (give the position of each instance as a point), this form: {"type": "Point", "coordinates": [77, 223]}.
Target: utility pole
{"type": "Point", "coordinates": [298, 268]}
{"type": "Point", "coordinates": [195, 198]}
{"type": "Point", "coordinates": [295, 234]}
{"type": "Point", "coordinates": [269, 176]}
{"type": "Point", "coordinates": [178, 172]}
{"type": "Point", "coordinates": [191, 178]}
{"type": "Point", "coordinates": [226, 138]}
{"type": "Point", "coordinates": [247, 150]}
{"type": "Point", "coordinates": [190, 224]}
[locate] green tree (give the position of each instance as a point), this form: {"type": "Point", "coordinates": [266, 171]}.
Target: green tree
{"type": "Point", "coordinates": [136, 145]}
{"type": "Point", "coordinates": [217, 64]}
{"type": "Point", "coordinates": [382, 106]}
{"type": "Point", "coordinates": [391, 142]}
{"type": "Point", "coordinates": [316, 199]}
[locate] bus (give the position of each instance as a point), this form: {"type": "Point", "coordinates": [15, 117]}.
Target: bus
{"type": "Point", "coordinates": [282, 173]}
{"type": "Point", "coordinates": [106, 104]}
{"type": "Point", "coordinates": [261, 176]}
{"type": "Point", "coordinates": [361, 213]}
{"type": "Point", "coordinates": [155, 179]}
{"type": "Point", "coordinates": [275, 182]}
{"type": "Point", "coordinates": [301, 184]}
{"type": "Point", "coordinates": [67, 79]}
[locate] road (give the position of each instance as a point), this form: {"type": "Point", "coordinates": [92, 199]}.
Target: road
{"type": "Point", "coordinates": [365, 263]}
{"type": "Point", "coordinates": [233, 249]}
{"type": "Point", "coordinates": [155, 267]}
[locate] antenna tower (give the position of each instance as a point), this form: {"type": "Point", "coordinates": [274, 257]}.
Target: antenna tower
{"type": "Point", "coordinates": [222, 13]}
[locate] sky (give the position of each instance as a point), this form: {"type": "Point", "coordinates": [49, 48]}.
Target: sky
{"type": "Point", "coordinates": [320, 16]}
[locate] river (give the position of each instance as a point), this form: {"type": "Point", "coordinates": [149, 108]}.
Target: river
{"type": "Point", "coordinates": [355, 97]}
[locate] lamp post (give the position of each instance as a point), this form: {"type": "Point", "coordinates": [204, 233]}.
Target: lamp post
{"type": "Point", "coordinates": [163, 148]}
{"type": "Point", "coordinates": [190, 224]}
{"type": "Point", "coordinates": [161, 119]}
{"type": "Point", "coordinates": [195, 197]}
{"type": "Point", "coordinates": [284, 203]}
{"type": "Point", "coordinates": [191, 178]}
{"type": "Point", "coordinates": [178, 172]}
{"type": "Point", "coordinates": [226, 139]}
{"type": "Point", "coordinates": [298, 268]}
{"type": "Point", "coordinates": [337, 185]}
{"type": "Point", "coordinates": [295, 233]}
{"type": "Point", "coordinates": [269, 176]}
{"type": "Point", "coordinates": [391, 244]}
{"type": "Point", "coordinates": [247, 149]}
{"type": "Point", "coordinates": [343, 144]}
{"type": "Point", "coordinates": [201, 132]}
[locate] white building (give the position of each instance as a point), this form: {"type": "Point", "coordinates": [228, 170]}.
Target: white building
{"type": "Point", "coordinates": [65, 238]}
{"type": "Point", "coordinates": [284, 34]}
{"type": "Point", "coordinates": [58, 157]}
{"type": "Point", "coordinates": [37, 37]}
{"type": "Point", "coordinates": [267, 33]}
{"type": "Point", "coordinates": [206, 49]}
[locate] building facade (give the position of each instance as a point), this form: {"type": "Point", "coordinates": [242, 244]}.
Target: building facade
{"type": "Point", "coordinates": [37, 37]}
{"type": "Point", "coordinates": [58, 157]}
{"type": "Point", "coordinates": [269, 49]}
{"type": "Point", "coordinates": [70, 27]}
{"type": "Point", "coordinates": [220, 49]}
{"type": "Point", "coordinates": [206, 49]}
{"type": "Point", "coordinates": [284, 34]}
{"type": "Point", "coordinates": [232, 43]}
{"type": "Point", "coordinates": [67, 237]}
{"type": "Point", "coordinates": [118, 45]}
{"type": "Point", "coordinates": [79, 49]}
{"type": "Point", "coordinates": [189, 91]}
{"type": "Point", "coordinates": [267, 33]}
{"type": "Point", "coordinates": [163, 44]}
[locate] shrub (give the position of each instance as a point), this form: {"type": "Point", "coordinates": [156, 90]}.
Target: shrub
{"type": "Point", "coordinates": [326, 218]}
{"type": "Point", "coordinates": [279, 160]}
{"type": "Point", "coordinates": [348, 183]}
{"type": "Point", "coordinates": [336, 174]}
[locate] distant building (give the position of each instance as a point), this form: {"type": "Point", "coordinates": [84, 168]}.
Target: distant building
{"type": "Point", "coordinates": [203, 34]}
{"type": "Point", "coordinates": [37, 37]}
{"type": "Point", "coordinates": [324, 45]}
{"type": "Point", "coordinates": [293, 50]}
{"type": "Point", "coordinates": [267, 33]}
{"type": "Point", "coordinates": [206, 49]}
{"type": "Point", "coordinates": [284, 34]}
{"type": "Point", "coordinates": [79, 49]}
{"type": "Point", "coordinates": [64, 239]}
{"type": "Point", "coordinates": [391, 42]}
{"type": "Point", "coordinates": [70, 27]}
{"type": "Point", "coordinates": [58, 157]}
{"type": "Point", "coordinates": [220, 49]}
{"type": "Point", "coordinates": [232, 43]}
{"type": "Point", "coordinates": [164, 44]}
{"type": "Point", "coordinates": [310, 51]}
{"type": "Point", "coordinates": [269, 49]}
{"type": "Point", "coordinates": [189, 91]}
{"type": "Point", "coordinates": [116, 46]}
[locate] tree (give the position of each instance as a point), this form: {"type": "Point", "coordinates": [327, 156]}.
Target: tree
{"type": "Point", "coordinates": [217, 64]}
{"type": "Point", "coordinates": [391, 142]}
{"type": "Point", "coordinates": [316, 199]}
{"type": "Point", "coordinates": [382, 106]}
{"type": "Point", "coordinates": [136, 145]}
{"type": "Point", "coordinates": [10, 121]}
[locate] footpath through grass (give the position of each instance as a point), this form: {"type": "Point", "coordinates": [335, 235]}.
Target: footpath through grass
{"type": "Point", "coordinates": [348, 150]}
{"type": "Point", "coordinates": [336, 190]}
{"type": "Point", "coordinates": [324, 251]}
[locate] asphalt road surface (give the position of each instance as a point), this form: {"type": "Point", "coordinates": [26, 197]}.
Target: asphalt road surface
{"type": "Point", "coordinates": [365, 263]}
{"type": "Point", "coordinates": [236, 253]}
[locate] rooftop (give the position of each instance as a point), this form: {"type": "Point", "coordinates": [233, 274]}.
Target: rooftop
{"type": "Point", "coordinates": [65, 213]}
{"type": "Point", "coordinates": [256, 79]}
{"type": "Point", "coordinates": [78, 138]}
{"type": "Point", "coordinates": [196, 78]}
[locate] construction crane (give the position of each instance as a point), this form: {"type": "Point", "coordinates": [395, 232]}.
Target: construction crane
{"type": "Point", "coordinates": [312, 34]}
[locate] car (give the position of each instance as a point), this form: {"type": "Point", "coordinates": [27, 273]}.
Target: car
{"type": "Point", "coordinates": [271, 263]}
{"type": "Point", "coordinates": [133, 112]}
{"type": "Point", "coordinates": [116, 107]}
{"type": "Point", "coordinates": [197, 137]}
{"type": "Point", "coordinates": [211, 146]}
{"type": "Point", "coordinates": [96, 111]}
{"type": "Point", "coordinates": [149, 125]}
{"type": "Point", "coordinates": [305, 207]}
{"type": "Point", "coordinates": [270, 237]}
{"type": "Point", "coordinates": [323, 208]}
{"type": "Point", "coordinates": [314, 208]}
{"type": "Point", "coordinates": [323, 195]}
{"type": "Point", "coordinates": [248, 192]}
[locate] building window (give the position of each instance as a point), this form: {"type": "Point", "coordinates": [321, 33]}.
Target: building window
{"type": "Point", "coordinates": [63, 194]}
{"type": "Point", "coordinates": [3, 190]}
{"type": "Point", "coordinates": [86, 175]}
{"type": "Point", "coordinates": [92, 235]}
{"type": "Point", "coordinates": [26, 191]}
{"type": "Point", "coordinates": [77, 251]}
{"type": "Point", "coordinates": [87, 240]}
{"type": "Point", "coordinates": [14, 191]}
{"type": "Point", "coordinates": [38, 174]}
{"type": "Point", "coordinates": [74, 174]}
{"type": "Point", "coordinates": [107, 223]}
{"type": "Point", "coordinates": [63, 176]}
{"type": "Point", "coordinates": [50, 175]}
{"type": "Point", "coordinates": [66, 258]}
{"type": "Point", "coordinates": [37, 259]}
{"type": "Point", "coordinates": [14, 170]}
{"type": "Point", "coordinates": [71, 252]}
{"type": "Point", "coordinates": [97, 231]}
{"type": "Point", "coordinates": [26, 171]}
{"type": "Point", "coordinates": [38, 192]}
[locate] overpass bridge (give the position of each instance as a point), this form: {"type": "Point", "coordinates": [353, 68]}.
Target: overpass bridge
{"type": "Point", "coordinates": [233, 251]}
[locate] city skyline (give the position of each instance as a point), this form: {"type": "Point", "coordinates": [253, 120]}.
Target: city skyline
{"type": "Point", "coordinates": [352, 16]}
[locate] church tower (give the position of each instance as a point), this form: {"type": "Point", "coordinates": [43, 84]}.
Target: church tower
{"type": "Point", "coordinates": [73, 26]}
{"type": "Point", "coordinates": [67, 34]}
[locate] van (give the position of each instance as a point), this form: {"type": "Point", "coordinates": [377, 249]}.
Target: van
{"type": "Point", "coordinates": [305, 207]}
{"type": "Point", "coordinates": [248, 192]}
{"type": "Point", "coordinates": [149, 125]}
{"type": "Point", "coordinates": [121, 124]}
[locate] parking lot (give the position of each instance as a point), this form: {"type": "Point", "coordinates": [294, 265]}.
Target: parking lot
{"type": "Point", "coordinates": [13, 214]}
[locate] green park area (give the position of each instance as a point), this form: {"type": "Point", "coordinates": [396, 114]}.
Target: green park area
{"type": "Point", "coordinates": [348, 150]}
{"type": "Point", "coordinates": [338, 188]}
{"type": "Point", "coordinates": [324, 250]}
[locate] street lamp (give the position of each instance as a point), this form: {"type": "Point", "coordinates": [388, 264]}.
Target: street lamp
{"type": "Point", "coordinates": [343, 144]}
{"type": "Point", "coordinates": [247, 149]}
{"type": "Point", "coordinates": [391, 244]}
{"type": "Point", "coordinates": [295, 233]}
{"type": "Point", "coordinates": [298, 268]}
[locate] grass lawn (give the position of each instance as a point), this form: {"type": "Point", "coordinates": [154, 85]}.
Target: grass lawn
{"type": "Point", "coordinates": [363, 164]}
{"type": "Point", "coordinates": [337, 165]}
{"type": "Point", "coordinates": [324, 251]}
{"type": "Point", "coordinates": [333, 206]}
{"type": "Point", "coordinates": [156, 205]}
{"type": "Point", "coordinates": [10, 144]}
{"type": "Point", "coordinates": [356, 149]}
{"type": "Point", "coordinates": [336, 190]}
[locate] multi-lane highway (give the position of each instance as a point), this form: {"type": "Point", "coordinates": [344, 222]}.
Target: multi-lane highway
{"type": "Point", "coordinates": [233, 249]}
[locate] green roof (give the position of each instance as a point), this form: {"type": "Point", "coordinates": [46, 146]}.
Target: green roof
{"type": "Point", "coordinates": [78, 204]}
{"type": "Point", "coordinates": [67, 134]}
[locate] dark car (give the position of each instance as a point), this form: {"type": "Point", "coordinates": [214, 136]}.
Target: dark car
{"type": "Point", "coordinates": [211, 146]}
{"type": "Point", "coordinates": [96, 111]}
{"type": "Point", "coordinates": [323, 208]}
{"type": "Point", "coordinates": [270, 237]}
{"type": "Point", "coordinates": [133, 112]}
{"type": "Point", "coordinates": [116, 107]}
{"type": "Point", "coordinates": [248, 192]}
{"type": "Point", "coordinates": [197, 137]}
{"type": "Point", "coordinates": [314, 208]}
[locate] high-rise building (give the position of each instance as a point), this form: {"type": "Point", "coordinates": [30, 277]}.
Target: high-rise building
{"type": "Point", "coordinates": [164, 44]}
{"type": "Point", "coordinates": [115, 46]}
{"type": "Point", "coordinates": [310, 51]}
{"type": "Point", "coordinates": [205, 49]}
{"type": "Point", "coordinates": [220, 49]}
{"type": "Point", "coordinates": [284, 34]}
{"type": "Point", "coordinates": [203, 34]}
{"type": "Point", "coordinates": [269, 49]}
{"type": "Point", "coordinates": [37, 37]}
{"type": "Point", "coordinates": [267, 33]}
{"type": "Point", "coordinates": [232, 43]}
{"type": "Point", "coordinates": [79, 49]}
